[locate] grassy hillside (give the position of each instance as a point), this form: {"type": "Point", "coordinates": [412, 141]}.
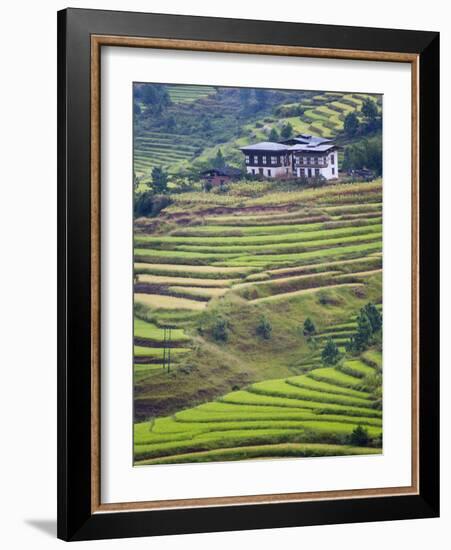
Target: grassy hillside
{"type": "Point", "coordinates": [211, 266]}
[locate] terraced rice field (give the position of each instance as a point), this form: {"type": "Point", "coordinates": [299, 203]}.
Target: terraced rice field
{"type": "Point", "coordinates": [180, 93]}
{"type": "Point", "coordinates": [245, 258]}
{"type": "Point", "coordinates": [307, 415]}
{"type": "Point", "coordinates": [160, 149]}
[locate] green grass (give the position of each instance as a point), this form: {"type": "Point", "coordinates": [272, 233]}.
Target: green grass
{"type": "Point", "coordinates": [287, 450]}
{"type": "Point", "coordinates": [333, 376]}
{"type": "Point", "coordinates": [143, 329]}
{"type": "Point", "coordinates": [356, 368]}
{"type": "Point", "coordinates": [157, 353]}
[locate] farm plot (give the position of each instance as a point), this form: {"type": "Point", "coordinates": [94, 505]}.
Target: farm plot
{"type": "Point", "coordinates": [313, 414]}
{"type": "Point", "coordinates": [255, 257]}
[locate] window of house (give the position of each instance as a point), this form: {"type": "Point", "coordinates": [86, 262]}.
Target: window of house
{"type": "Point", "coordinates": [253, 171]}
{"type": "Point", "coordinates": [316, 171]}
{"type": "Point", "coordinates": [273, 160]}
{"type": "Point", "coordinates": [309, 172]}
{"type": "Point", "coordinates": [333, 171]}
{"type": "Point", "coordinates": [269, 171]}
{"type": "Point", "coordinates": [332, 159]}
{"type": "Point", "coordinates": [264, 159]}
{"type": "Point", "coordinates": [260, 171]}
{"type": "Point", "coordinates": [315, 160]}
{"type": "Point", "coordinates": [247, 159]}
{"type": "Point", "coordinates": [302, 172]}
{"type": "Point", "coordinates": [255, 159]}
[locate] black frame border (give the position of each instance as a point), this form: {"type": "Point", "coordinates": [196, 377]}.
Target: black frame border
{"type": "Point", "coordinates": [75, 520]}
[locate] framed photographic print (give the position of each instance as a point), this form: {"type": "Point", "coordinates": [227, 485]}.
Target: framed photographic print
{"type": "Point", "coordinates": [248, 274]}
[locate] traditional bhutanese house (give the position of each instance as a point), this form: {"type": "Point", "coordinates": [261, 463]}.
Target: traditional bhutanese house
{"type": "Point", "coordinates": [301, 156]}
{"type": "Point", "coordinates": [219, 176]}
{"type": "Point", "coordinates": [267, 159]}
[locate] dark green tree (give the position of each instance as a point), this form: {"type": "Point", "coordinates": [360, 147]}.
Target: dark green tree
{"type": "Point", "coordinates": [362, 337]}
{"type": "Point", "coordinates": [369, 109]}
{"type": "Point", "coordinates": [219, 161]}
{"type": "Point", "coordinates": [351, 124]}
{"type": "Point", "coordinates": [309, 327]}
{"type": "Point", "coordinates": [359, 436]}
{"type": "Point", "coordinates": [159, 180]}
{"type": "Point", "coordinates": [273, 135]}
{"type": "Point", "coordinates": [220, 330]}
{"type": "Point", "coordinates": [374, 317]}
{"type": "Point", "coordinates": [287, 131]}
{"type": "Point", "coordinates": [330, 354]}
{"type": "Point", "coordinates": [264, 328]}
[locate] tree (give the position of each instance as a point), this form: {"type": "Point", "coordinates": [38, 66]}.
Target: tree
{"type": "Point", "coordinates": [309, 327]}
{"type": "Point", "coordinates": [374, 317]}
{"type": "Point", "coordinates": [287, 131]}
{"type": "Point", "coordinates": [366, 154]}
{"type": "Point", "coordinates": [330, 354]}
{"type": "Point", "coordinates": [219, 161]}
{"type": "Point", "coordinates": [264, 328]}
{"type": "Point", "coordinates": [369, 109]}
{"type": "Point", "coordinates": [359, 436]}
{"type": "Point", "coordinates": [220, 330]}
{"type": "Point", "coordinates": [159, 180]}
{"type": "Point", "coordinates": [351, 124]}
{"type": "Point", "coordinates": [273, 135]}
{"type": "Point", "coordinates": [362, 337]}
{"type": "Point", "coordinates": [155, 97]}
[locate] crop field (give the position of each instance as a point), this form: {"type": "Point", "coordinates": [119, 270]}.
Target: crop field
{"type": "Point", "coordinates": [261, 421]}
{"type": "Point", "coordinates": [208, 385]}
{"type": "Point", "coordinates": [180, 93]}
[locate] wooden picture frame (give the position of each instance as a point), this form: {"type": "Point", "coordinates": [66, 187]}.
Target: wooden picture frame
{"type": "Point", "coordinates": [81, 35]}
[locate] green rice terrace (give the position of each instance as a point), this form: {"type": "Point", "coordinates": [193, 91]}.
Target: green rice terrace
{"type": "Point", "coordinates": [226, 365]}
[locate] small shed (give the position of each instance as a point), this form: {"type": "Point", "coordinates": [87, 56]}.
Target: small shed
{"type": "Point", "coordinates": [219, 176]}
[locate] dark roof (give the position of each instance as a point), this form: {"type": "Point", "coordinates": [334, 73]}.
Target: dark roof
{"type": "Point", "coordinates": [302, 142]}
{"type": "Point", "coordinates": [320, 148]}
{"type": "Point", "coordinates": [306, 139]}
{"type": "Point", "coordinates": [229, 171]}
{"type": "Point", "coordinates": [266, 146]}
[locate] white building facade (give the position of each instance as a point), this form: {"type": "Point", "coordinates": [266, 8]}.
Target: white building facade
{"type": "Point", "coordinates": [303, 156]}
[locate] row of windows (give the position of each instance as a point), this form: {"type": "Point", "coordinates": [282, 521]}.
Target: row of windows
{"type": "Point", "coordinates": [299, 160]}
{"type": "Point", "coordinates": [273, 160]}
{"type": "Point", "coordinates": [261, 171]}
{"type": "Point", "coordinates": [308, 172]}
{"type": "Point", "coordinates": [314, 160]}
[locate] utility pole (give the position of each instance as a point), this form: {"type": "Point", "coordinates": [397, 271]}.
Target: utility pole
{"type": "Point", "coordinates": [164, 349]}
{"type": "Point", "coordinates": [169, 352]}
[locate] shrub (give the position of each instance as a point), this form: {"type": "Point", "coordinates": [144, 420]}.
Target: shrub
{"type": "Point", "coordinates": [220, 330]}
{"type": "Point", "coordinates": [264, 328]}
{"type": "Point", "coordinates": [149, 205]}
{"type": "Point", "coordinates": [309, 327]}
{"type": "Point", "coordinates": [359, 436]}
